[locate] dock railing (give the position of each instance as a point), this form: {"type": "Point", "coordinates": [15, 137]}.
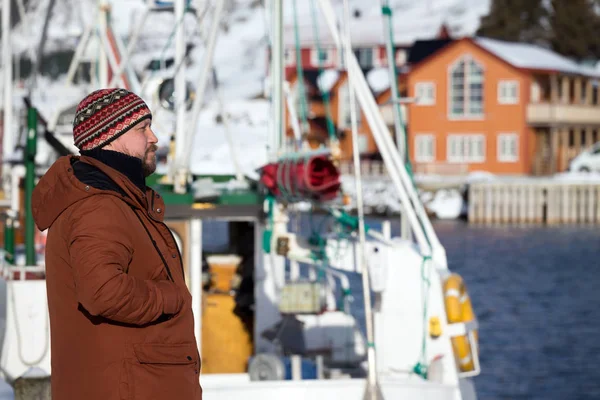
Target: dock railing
{"type": "Point", "coordinates": [534, 201]}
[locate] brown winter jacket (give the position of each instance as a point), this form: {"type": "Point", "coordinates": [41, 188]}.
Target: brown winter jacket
{"type": "Point", "coordinates": [120, 312]}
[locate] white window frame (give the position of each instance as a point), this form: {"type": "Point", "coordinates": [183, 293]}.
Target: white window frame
{"type": "Point", "coordinates": [423, 88]}
{"type": "Point", "coordinates": [500, 142]}
{"type": "Point", "coordinates": [504, 87]}
{"type": "Point", "coordinates": [344, 115]}
{"type": "Point", "coordinates": [369, 62]}
{"type": "Point", "coordinates": [465, 141]}
{"type": "Point", "coordinates": [401, 57]}
{"type": "Point", "coordinates": [379, 58]}
{"type": "Point", "coordinates": [289, 56]}
{"type": "Point", "coordinates": [314, 57]}
{"type": "Point", "coordinates": [422, 141]}
{"type": "Point", "coordinates": [466, 114]}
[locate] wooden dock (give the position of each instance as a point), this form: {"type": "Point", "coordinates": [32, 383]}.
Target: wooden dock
{"type": "Point", "coordinates": [534, 201]}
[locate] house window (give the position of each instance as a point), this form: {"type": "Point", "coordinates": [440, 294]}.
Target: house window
{"type": "Point", "coordinates": [363, 143]}
{"type": "Point", "coordinates": [299, 98]}
{"type": "Point", "coordinates": [425, 93]}
{"type": "Point", "coordinates": [466, 89]}
{"type": "Point", "coordinates": [289, 57]}
{"type": "Point", "coordinates": [400, 58]}
{"type": "Point", "coordinates": [469, 148]}
{"type": "Point", "coordinates": [508, 147]}
{"type": "Point", "coordinates": [508, 92]}
{"type": "Point", "coordinates": [536, 93]}
{"type": "Point", "coordinates": [344, 114]}
{"type": "Point", "coordinates": [364, 57]}
{"type": "Point", "coordinates": [424, 148]}
{"type": "Point", "coordinates": [321, 57]}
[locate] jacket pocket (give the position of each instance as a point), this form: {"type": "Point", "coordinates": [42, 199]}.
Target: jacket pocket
{"type": "Point", "coordinates": [164, 372]}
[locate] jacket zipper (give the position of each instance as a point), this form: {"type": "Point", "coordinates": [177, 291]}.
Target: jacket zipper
{"type": "Point", "coordinates": [172, 237]}
{"type": "Point", "coordinates": [178, 251]}
{"type": "Point", "coordinates": [155, 247]}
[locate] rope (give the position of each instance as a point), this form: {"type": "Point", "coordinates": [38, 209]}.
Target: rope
{"type": "Point", "coordinates": [326, 100]}
{"type": "Point", "coordinates": [300, 71]}
{"type": "Point", "coordinates": [387, 12]}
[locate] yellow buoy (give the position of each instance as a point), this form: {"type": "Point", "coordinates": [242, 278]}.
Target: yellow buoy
{"type": "Point", "coordinates": [459, 309]}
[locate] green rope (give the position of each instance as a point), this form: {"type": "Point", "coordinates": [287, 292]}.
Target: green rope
{"type": "Point", "coordinates": [326, 99]}
{"type": "Point", "coordinates": [420, 367]}
{"type": "Point", "coordinates": [300, 71]}
{"type": "Point", "coordinates": [387, 11]}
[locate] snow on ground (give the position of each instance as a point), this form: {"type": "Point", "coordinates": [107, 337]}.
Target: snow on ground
{"type": "Point", "coordinates": [380, 196]}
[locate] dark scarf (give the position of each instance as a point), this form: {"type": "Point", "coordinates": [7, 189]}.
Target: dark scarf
{"type": "Point", "coordinates": [129, 166]}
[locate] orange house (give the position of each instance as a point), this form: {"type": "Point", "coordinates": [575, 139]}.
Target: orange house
{"type": "Point", "coordinates": [336, 110]}
{"type": "Point", "coordinates": [506, 108]}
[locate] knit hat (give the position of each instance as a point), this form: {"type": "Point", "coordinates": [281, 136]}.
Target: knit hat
{"type": "Point", "coordinates": [106, 114]}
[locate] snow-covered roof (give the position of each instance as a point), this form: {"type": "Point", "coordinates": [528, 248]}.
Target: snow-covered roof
{"type": "Point", "coordinates": [412, 20]}
{"type": "Point", "coordinates": [523, 55]}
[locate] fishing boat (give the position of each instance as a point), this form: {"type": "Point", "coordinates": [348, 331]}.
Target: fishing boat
{"type": "Point", "coordinates": [275, 315]}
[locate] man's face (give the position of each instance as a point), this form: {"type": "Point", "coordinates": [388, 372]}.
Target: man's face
{"type": "Point", "coordinates": [138, 142]}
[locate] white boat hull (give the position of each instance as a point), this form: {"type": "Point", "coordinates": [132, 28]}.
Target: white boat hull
{"type": "Point", "coordinates": [222, 387]}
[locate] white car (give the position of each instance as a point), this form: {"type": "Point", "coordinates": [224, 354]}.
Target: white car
{"type": "Point", "coordinates": [587, 161]}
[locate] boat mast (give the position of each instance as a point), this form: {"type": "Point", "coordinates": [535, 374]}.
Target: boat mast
{"type": "Point", "coordinates": [396, 106]}
{"type": "Point", "coordinates": [7, 139]}
{"type": "Point", "coordinates": [180, 179]}
{"type": "Point", "coordinates": [372, 392]}
{"type": "Point", "coordinates": [277, 80]}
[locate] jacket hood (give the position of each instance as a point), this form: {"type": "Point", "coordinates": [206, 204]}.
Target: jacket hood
{"type": "Point", "coordinates": [59, 189]}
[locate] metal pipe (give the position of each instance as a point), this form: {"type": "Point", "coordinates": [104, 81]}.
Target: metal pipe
{"type": "Point", "coordinates": [110, 55]}
{"type": "Point", "coordinates": [397, 107]}
{"type": "Point", "coordinates": [9, 240]}
{"type": "Point", "coordinates": [372, 386]}
{"type": "Point", "coordinates": [130, 46]}
{"type": "Point", "coordinates": [277, 79]}
{"type": "Point", "coordinates": [180, 178]}
{"type": "Point", "coordinates": [7, 140]}
{"type": "Point", "coordinates": [201, 88]}
{"type": "Point", "coordinates": [30, 152]}
{"type": "Point", "coordinates": [40, 50]}
{"type": "Point", "coordinates": [103, 58]}
{"type": "Point", "coordinates": [79, 51]}
{"type": "Point", "coordinates": [195, 254]}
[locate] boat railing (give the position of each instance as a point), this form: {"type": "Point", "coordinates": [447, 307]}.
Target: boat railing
{"type": "Point", "coordinates": [10, 272]}
{"type": "Point", "coordinates": [469, 329]}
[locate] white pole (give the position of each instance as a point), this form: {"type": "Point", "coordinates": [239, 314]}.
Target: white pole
{"type": "Point", "coordinates": [180, 179]}
{"type": "Point", "coordinates": [130, 46]}
{"type": "Point", "coordinates": [397, 107]}
{"type": "Point", "coordinates": [277, 79]}
{"type": "Point", "coordinates": [195, 254]}
{"type": "Point", "coordinates": [83, 41]}
{"type": "Point", "coordinates": [201, 88]}
{"type": "Point", "coordinates": [372, 387]}
{"type": "Point", "coordinates": [111, 58]}
{"type": "Point", "coordinates": [7, 141]}
{"type": "Point", "coordinates": [408, 195]}
{"type": "Point", "coordinates": [103, 58]}
{"type": "Point", "coordinates": [393, 81]}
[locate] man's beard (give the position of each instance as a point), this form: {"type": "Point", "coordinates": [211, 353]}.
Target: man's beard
{"type": "Point", "coordinates": [149, 163]}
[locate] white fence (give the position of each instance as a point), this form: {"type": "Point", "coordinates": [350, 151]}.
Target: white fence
{"type": "Point", "coordinates": [534, 202]}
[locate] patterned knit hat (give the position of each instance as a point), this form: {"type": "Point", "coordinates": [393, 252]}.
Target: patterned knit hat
{"type": "Point", "coordinates": [106, 114]}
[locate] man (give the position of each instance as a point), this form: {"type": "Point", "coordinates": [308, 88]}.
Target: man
{"type": "Point", "coordinates": [120, 312]}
